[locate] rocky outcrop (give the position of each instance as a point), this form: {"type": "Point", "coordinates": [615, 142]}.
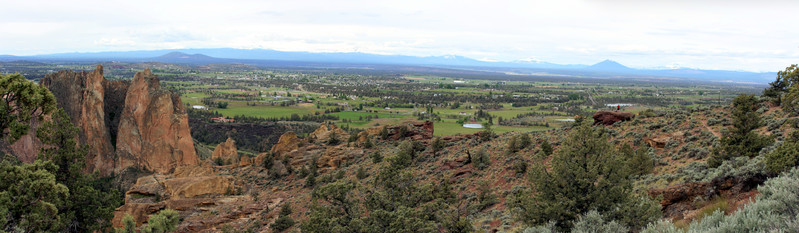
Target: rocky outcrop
{"type": "Point", "coordinates": [82, 95]}
{"type": "Point", "coordinates": [412, 130]}
{"type": "Point", "coordinates": [333, 156]}
{"type": "Point", "coordinates": [609, 117]}
{"type": "Point", "coordinates": [126, 124]}
{"type": "Point", "coordinates": [153, 193]}
{"type": "Point", "coordinates": [245, 161]}
{"type": "Point", "coordinates": [27, 147]}
{"type": "Point", "coordinates": [153, 128]}
{"type": "Point", "coordinates": [226, 151]}
{"type": "Point", "coordinates": [323, 133]}
{"type": "Point", "coordinates": [287, 142]}
{"type": "Point", "coordinates": [658, 142]}
{"type": "Point", "coordinates": [299, 152]}
{"type": "Point", "coordinates": [680, 201]}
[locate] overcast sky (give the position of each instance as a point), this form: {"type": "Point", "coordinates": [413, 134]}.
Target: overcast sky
{"type": "Point", "coordinates": [711, 34]}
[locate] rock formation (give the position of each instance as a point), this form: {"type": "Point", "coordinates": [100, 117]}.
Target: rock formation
{"type": "Point", "coordinates": [300, 151]}
{"type": "Point", "coordinates": [322, 134]}
{"type": "Point", "coordinates": [287, 142]}
{"type": "Point", "coordinates": [413, 130]}
{"type": "Point", "coordinates": [609, 117]}
{"type": "Point", "coordinates": [226, 151]}
{"type": "Point", "coordinates": [680, 201]}
{"type": "Point", "coordinates": [185, 190]}
{"type": "Point", "coordinates": [82, 95]}
{"type": "Point", "coordinates": [126, 124]}
{"type": "Point", "coordinates": [153, 128]}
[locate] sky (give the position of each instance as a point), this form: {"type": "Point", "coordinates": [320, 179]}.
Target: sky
{"type": "Point", "coordinates": [709, 34]}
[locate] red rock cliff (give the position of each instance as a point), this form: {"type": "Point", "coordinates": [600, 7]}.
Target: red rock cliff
{"type": "Point", "coordinates": [126, 124]}
{"type": "Point", "coordinates": [153, 128]}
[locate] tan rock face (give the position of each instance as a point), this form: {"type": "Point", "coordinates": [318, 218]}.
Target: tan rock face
{"type": "Point", "coordinates": [226, 151]}
{"type": "Point", "coordinates": [153, 193]}
{"type": "Point", "coordinates": [287, 142]}
{"type": "Point", "coordinates": [333, 156]}
{"type": "Point", "coordinates": [412, 130]}
{"type": "Point", "coordinates": [83, 96]}
{"type": "Point", "coordinates": [245, 161]}
{"type": "Point", "coordinates": [148, 126]}
{"type": "Point", "coordinates": [323, 133]}
{"type": "Point", "coordinates": [153, 129]}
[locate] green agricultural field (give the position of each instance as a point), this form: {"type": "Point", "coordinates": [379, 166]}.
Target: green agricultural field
{"type": "Point", "coordinates": [241, 108]}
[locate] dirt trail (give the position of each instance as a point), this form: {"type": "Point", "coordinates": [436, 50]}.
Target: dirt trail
{"type": "Point", "coordinates": [717, 134]}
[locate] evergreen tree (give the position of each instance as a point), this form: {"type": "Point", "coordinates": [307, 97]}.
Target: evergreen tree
{"type": "Point", "coordinates": [384, 133]}
{"type": "Point", "coordinates": [524, 141]}
{"type": "Point", "coordinates": [284, 220]}
{"type": "Point", "coordinates": [333, 139]}
{"type": "Point", "coordinates": [546, 148]}
{"type": "Point", "coordinates": [741, 140]}
{"type": "Point", "coordinates": [585, 175]}
{"type": "Point", "coordinates": [22, 102]}
{"type": "Point", "coordinates": [30, 197]}
{"type": "Point", "coordinates": [91, 204]}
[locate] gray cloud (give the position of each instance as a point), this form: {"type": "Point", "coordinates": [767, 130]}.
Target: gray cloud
{"type": "Point", "coordinates": [714, 34]}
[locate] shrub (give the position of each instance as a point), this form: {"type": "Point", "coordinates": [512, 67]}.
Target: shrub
{"type": "Point", "coordinates": [546, 148]}
{"type": "Point", "coordinates": [783, 158]}
{"type": "Point", "coordinates": [361, 173]}
{"type": "Point", "coordinates": [284, 221]}
{"type": "Point", "coordinates": [164, 221]}
{"type": "Point", "coordinates": [485, 198]}
{"type": "Point", "coordinates": [376, 157]}
{"type": "Point", "coordinates": [593, 222]}
{"type": "Point", "coordinates": [481, 159]}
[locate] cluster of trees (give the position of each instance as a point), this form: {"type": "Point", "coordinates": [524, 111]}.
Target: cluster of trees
{"type": "Point", "coordinates": [587, 174]}
{"type": "Point", "coordinates": [785, 92]}
{"type": "Point", "coordinates": [395, 202]}
{"type": "Point", "coordinates": [164, 221]}
{"type": "Point", "coordinates": [51, 194]}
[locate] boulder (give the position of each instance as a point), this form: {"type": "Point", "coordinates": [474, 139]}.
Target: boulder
{"type": "Point", "coordinates": [610, 117]}
{"type": "Point", "coordinates": [153, 128]}
{"type": "Point", "coordinates": [226, 151]}
{"type": "Point", "coordinates": [245, 161]}
{"type": "Point", "coordinates": [287, 142]}
{"type": "Point", "coordinates": [658, 142]}
{"type": "Point", "coordinates": [279, 169]}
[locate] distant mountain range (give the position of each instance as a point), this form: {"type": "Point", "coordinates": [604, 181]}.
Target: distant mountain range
{"type": "Point", "coordinates": [604, 69]}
